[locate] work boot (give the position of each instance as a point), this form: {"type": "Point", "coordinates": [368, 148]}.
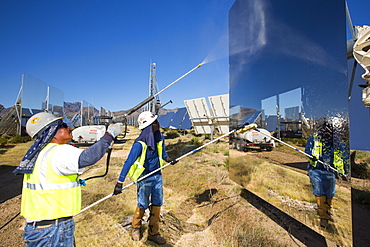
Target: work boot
{"type": "Point", "coordinates": [324, 223]}
{"type": "Point", "coordinates": [136, 223]}
{"type": "Point", "coordinates": [136, 234]}
{"type": "Point", "coordinates": [153, 231]}
{"type": "Point", "coordinates": [328, 209]}
{"type": "Point", "coordinates": [157, 238]}
{"type": "Point", "coordinates": [322, 210]}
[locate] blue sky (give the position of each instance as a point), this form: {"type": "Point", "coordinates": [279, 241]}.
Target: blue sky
{"type": "Point", "coordinates": [100, 51]}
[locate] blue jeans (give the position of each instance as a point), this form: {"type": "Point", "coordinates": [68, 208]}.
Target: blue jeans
{"type": "Point", "coordinates": [60, 234]}
{"type": "Point", "coordinates": [150, 191]}
{"type": "Point", "coordinates": [323, 182]}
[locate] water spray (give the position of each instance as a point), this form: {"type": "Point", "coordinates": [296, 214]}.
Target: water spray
{"type": "Point", "coordinates": [241, 129]}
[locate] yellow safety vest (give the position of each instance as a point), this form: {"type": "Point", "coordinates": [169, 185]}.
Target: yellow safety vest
{"type": "Point", "coordinates": [138, 167]}
{"type": "Point", "coordinates": [47, 195]}
{"type": "Point", "coordinates": [317, 152]}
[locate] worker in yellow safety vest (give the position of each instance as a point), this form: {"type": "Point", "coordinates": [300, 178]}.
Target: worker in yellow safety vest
{"type": "Point", "coordinates": [328, 147]}
{"type": "Point", "coordinates": [51, 193]}
{"type": "Point", "coordinates": [146, 155]}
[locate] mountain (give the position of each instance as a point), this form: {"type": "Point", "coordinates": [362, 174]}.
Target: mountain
{"type": "Point", "coordinates": [71, 108]}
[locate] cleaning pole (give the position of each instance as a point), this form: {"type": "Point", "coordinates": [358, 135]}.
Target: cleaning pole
{"type": "Point", "coordinates": [327, 166]}
{"type": "Point", "coordinates": [138, 106]}
{"type": "Point", "coordinates": [240, 129]}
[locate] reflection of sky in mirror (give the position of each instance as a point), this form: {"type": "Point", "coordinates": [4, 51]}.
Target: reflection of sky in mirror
{"type": "Point", "coordinates": [290, 99]}
{"type": "Point", "coordinates": [56, 96]}
{"type": "Point", "coordinates": [88, 112]}
{"type": "Point", "coordinates": [56, 101]}
{"type": "Point", "coordinates": [283, 47]}
{"type": "Point", "coordinates": [33, 92]}
{"type": "Point", "coordinates": [269, 105]}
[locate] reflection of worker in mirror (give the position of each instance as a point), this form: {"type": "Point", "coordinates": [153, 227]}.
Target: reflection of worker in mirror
{"type": "Point", "coordinates": [146, 155]}
{"type": "Point", "coordinates": [327, 146]}
{"type": "Point", "coordinates": [51, 192]}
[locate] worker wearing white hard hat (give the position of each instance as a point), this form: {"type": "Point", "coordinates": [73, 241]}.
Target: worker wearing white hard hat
{"type": "Point", "coordinates": [51, 193]}
{"type": "Point", "coordinates": [146, 155]}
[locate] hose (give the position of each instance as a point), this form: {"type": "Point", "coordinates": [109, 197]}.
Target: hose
{"type": "Point", "coordinates": [82, 181]}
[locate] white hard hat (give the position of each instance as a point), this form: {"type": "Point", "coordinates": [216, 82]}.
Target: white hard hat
{"type": "Point", "coordinates": [145, 119]}
{"type": "Point", "coordinates": [39, 121]}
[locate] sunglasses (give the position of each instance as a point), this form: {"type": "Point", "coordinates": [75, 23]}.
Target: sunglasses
{"type": "Point", "coordinates": [64, 125]}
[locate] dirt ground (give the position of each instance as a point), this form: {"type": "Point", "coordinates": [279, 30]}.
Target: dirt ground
{"type": "Point", "coordinates": [203, 219]}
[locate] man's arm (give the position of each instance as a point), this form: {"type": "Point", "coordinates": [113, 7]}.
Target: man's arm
{"type": "Point", "coordinates": [94, 153]}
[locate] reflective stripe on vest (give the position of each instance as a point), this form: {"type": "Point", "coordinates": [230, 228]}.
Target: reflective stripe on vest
{"type": "Point", "coordinates": [46, 194]}
{"type": "Point", "coordinates": [138, 167]}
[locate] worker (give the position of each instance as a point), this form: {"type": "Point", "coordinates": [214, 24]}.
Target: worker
{"type": "Point", "coordinates": [51, 193]}
{"type": "Point", "coordinates": [327, 146]}
{"type": "Point", "coordinates": [146, 155]}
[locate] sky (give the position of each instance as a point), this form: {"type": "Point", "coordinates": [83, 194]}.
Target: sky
{"type": "Point", "coordinates": [100, 51]}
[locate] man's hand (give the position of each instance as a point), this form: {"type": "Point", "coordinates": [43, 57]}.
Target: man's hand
{"type": "Point", "coordinates": [344, 177]}
{"type": "Point", "coordinates": [117, 189]}
{"type": "Point", "coordinates": [115, 129]}
{"type": "Point", "coordinates": [171, 161]}
{"type": "Point", "coordinates": [313, 158]}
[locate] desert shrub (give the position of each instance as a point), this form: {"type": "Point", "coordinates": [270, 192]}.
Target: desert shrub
{"type": "Point", "coordinates": [362, 155]}
{"type": "Point", "coordinates": [6, 136]}
{"type": "Point", "coordinates": [196, 141]}
{"type": "Point", "coordinates": [360, 162]}
{"type": "Point", "coordinates": [295, 141]}
{"type": "Point", "coordinates": [19, 139]}
{"type": "Point", "coordinates": [172, 134]}
{"type": "Point", "coordinates": [3, 141]}
{"type": "Point", "coordinates": [226, 163]}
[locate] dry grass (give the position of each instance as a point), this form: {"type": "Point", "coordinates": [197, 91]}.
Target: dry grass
{"type": "Point", "coordinates": [12, 154]}
{"type": "Point", "coordinates": [191, 176]}
{"type": "Point", "coordinates": [197, 190]}
{"type": "Point", "coordinates": [261, 176]}
{"type": "Point", "coordinates": [291, 192]}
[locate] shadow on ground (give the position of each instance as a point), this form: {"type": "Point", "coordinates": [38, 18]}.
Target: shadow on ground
{"type": "Point", "coordinates": [300, 231]}
{"type": "Point", "coordinates": [11, 185]}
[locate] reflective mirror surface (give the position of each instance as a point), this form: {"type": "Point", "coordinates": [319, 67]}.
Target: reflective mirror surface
{"type": "Point", "coordinates": [288, 74]}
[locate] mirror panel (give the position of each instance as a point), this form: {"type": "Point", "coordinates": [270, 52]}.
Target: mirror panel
{"type": "Point", "coordinates": [288, 74]}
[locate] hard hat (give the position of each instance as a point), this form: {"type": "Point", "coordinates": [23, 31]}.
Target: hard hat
{"type": "Point", "coordinates": [39, 121]}
{"type": "Point", "coordinates": [145, 119]}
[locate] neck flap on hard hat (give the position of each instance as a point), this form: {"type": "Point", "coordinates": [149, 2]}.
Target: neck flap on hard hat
{"type": "Point", "coordinates": [149, 137]}
{"type": "Point", "coordinates": [28, 162]}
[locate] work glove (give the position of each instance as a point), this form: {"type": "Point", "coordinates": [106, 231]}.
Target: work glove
{"type": "Point", "coordinates": [115, 129]}
{"type": "Point", "coordinates": [171, 161]}
{"type": "Point", "coordinates": [117, 189]}
{"type": "Point", "coordinates": [344, 177]}
{"type": "Point", "coordinates": [313, 158]}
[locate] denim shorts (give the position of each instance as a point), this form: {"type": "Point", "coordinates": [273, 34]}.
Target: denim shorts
{"type": "Point", "coordinates": [61, 234]}
{"type": "Point", "coordinates": [150, 191]}
{"type": "Point", "coordinates": [323, 182]}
